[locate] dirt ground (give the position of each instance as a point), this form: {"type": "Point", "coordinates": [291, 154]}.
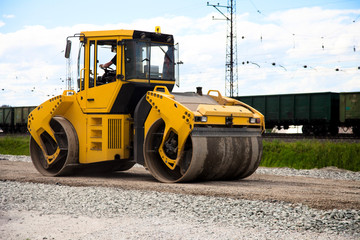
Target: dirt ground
{"type": "Point", "coordinates": [314, 192]}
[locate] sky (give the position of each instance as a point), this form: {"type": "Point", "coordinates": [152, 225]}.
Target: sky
{"type": "Point", "coordinates": [282, 46]}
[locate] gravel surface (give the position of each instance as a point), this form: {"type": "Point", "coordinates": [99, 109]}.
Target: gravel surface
{"type": "Point", "coordinates": [326, 173]}
{"type": "Point", "coordinates": [166, 216]}
{"type": "Point", "coordinates": [41, 211]}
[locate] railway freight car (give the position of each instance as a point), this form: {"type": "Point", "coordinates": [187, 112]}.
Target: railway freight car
{"type": "Point", "coordinates": [350, 111]}
{"type": "Point", "coordinates": [14, 119]}
{"type": "Point", "coordinates": [318, 113]}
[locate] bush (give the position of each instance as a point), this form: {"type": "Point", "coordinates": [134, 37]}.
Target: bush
{"type": "Point", "coordinates": [311, 154]}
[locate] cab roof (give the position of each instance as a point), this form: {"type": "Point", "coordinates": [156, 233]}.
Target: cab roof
{"type": "Point", "coordinates": [130, 34]}
{"type": "Point", "coordinates": [108, 33]}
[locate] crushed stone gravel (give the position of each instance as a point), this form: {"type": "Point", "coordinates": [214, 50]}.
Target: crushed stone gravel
{"type": "Point", "coordinates": [326, 173]}
{"type": "Point", "coordinates": [41, 211]}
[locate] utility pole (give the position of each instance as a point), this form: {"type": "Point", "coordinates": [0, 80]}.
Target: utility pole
{"type": "Point", "coordinates": [231, 73]}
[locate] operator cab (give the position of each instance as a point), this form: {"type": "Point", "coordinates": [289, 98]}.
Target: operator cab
{"type": "Point", "coordinates": [141, 60]}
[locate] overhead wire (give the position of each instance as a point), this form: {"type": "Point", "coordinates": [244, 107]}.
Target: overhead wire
{"type": "Point", "coordinates": [292, 33]}
{"type": "Point", "coordinates": [325, 38]}
{"type": "Point", "coordinates": [300, 5]}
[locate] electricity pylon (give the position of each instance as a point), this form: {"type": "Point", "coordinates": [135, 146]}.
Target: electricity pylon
{"type": "Point", "coordinates": [231, 73]}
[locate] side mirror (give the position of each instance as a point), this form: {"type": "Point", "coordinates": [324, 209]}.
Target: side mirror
{"type": "Point", "coordinates": [68, 49]}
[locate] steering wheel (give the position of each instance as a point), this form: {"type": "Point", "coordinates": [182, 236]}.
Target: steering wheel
{"type": "Point", "coordinates": [107, 68]}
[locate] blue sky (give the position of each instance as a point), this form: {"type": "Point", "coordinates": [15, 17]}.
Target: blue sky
{"type": "Point", "coordinates": [56, 13]}
{"type": "Point", "coordinates": [276, 40]}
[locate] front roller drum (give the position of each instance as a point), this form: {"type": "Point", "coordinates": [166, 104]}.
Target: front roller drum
{"type": "Point", "coordinates": [66, 141]}
{"type": "Point", "coordinates": [209, 154]}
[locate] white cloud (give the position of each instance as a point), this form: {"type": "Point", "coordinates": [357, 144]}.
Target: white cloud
{"type": "Point", "coordinates": [294, 39]}
{"type": "Point", "coordinates": [8, 16]}
{"type": "Point", "coordinates": [33, 65]}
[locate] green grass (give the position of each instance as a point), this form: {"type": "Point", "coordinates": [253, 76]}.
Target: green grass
{"type": "Point", "coordinates": [311, 154]}
{"type": "Point", "coordinates": [14, 145]}
{"type": "Point", "coordinates": [299, 155]}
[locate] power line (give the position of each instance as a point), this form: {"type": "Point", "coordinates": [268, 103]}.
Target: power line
{"type": "Point", "coordinates": [231, 73]}
{"type": "Point", "coordinates": [299, 5]}
{"type": "Point", "coordinates": [293, 33]}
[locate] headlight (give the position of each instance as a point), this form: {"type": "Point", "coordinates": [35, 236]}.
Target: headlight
{"type": "Point", "coordinates": [254, 120]}
{"type": "Point", "coordinates": [201, 119]}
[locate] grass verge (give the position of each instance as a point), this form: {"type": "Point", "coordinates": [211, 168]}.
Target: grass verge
{"type": "Point", "coordinates": [15, 145]}
{"type": "Point", "coordinates": [311, 154]}
{"type": "Point", "coordinates": [298, 155]}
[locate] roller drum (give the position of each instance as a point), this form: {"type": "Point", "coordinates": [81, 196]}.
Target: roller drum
{"type": "Point", "coordinates": [67, 142]}
{"type": "Point", "coordinates": [224, 158]}
{"type": "Point", "coordinates": [209, 154]}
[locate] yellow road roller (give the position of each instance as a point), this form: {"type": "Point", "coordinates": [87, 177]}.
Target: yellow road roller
{"type": "Point", "coordinates": [123, 112]}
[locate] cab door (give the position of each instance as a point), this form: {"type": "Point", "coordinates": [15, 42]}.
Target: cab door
{"type": "Point", "coordinates": [102, 86]}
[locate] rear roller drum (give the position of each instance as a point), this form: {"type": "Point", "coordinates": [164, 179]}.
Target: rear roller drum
{"type": "Point", "coordinates": [66, 142]}
{"type": "Point", "coordinates": [205, 156]}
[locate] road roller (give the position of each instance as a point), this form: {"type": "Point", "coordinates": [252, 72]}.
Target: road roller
{"type": "Point", "coordinates": [123, 112]}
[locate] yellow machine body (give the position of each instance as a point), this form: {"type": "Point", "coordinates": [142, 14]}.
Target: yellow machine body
{"type": "Point", "coordinates": [129, 115]}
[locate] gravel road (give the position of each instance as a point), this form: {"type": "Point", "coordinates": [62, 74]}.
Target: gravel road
{"type": "Point", "coordinates": [32, 210]}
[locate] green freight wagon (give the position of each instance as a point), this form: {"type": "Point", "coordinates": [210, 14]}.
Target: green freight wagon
{"type": "Point", "coordinates": [21, 117]}
{"type": "Point", "coordinates": [14, 119]}
{"type": "Point", "coordinates": [6, 119]}
{"type": "Point", "coordinates": [350, 110]}
{"type": "Point", "coordinates": [317, 112]}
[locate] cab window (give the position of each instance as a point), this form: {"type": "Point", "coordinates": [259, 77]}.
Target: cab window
{"type": "Point", "coordinates": [92, 58]}
{"type": "Point", "coordinates": [101, 52]}
{"type": "Point", "coordinates": [146, 60]}
{"type": "Point", "coordinates": [106, 52]}
{"type": "Point", "coordinates": [80, 67]}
